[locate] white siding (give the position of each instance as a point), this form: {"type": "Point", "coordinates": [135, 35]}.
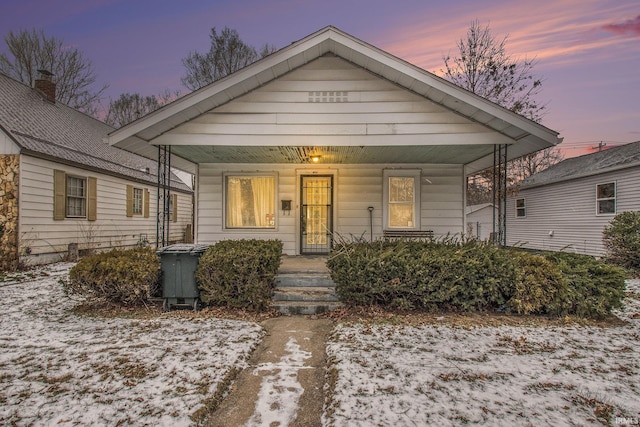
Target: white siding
{"type": "Point", "coordinates": [480, 223]}
{"type": "Point", "coordinates": [356, 187]}
{"type": "Point", "coordinates": [47, 240]}
{"type": "Point", "coordinates": [562, 216]}
{"type": "Point", "coordinates": [328, 102]}
{"type": "Point", "coordinates": [7, 146]}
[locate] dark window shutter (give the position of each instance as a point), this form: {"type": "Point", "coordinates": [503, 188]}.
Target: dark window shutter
{"type": "Point", "coordinates": [59, 185]}
{"type": "Point", "coordinates": [92, 198]}
{"type": "Point", "coordinates": [129, 200]}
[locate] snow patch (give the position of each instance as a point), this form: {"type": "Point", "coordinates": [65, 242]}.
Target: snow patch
{"type": "Point", "coordinates": [280, 390]}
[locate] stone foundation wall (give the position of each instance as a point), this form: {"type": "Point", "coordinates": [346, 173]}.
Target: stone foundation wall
{"type": "Point", "coordinates": [9, 170]}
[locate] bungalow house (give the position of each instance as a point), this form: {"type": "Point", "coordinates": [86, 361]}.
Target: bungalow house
{"type": "Point", "coordinates": [63, 190]}
{"type": "Point", "coordinates": [330, 138]}
{"type": "Point", "coordinates": [567, 206]}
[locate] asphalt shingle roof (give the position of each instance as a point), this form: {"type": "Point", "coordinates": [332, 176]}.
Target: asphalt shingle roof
{"type": "Point", "coordinates": [60, 132]}
{"type": "Point", "coordinates": [589, 164]}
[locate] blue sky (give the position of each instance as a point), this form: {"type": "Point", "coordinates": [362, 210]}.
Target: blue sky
{"type": "Point", "coordinates": [587, 51]}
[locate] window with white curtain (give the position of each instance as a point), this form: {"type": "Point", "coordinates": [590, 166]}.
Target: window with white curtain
{"type": "Point", "coordinates": [250, 201]}
{"type": "Point", "coordinates": [401, 193]}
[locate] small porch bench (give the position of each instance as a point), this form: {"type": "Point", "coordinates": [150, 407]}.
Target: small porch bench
{"type": "Point", "coordinates": [391, 235]}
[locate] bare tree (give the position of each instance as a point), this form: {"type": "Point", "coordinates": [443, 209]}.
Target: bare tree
{"type": "Point", "coordinates": [131, 106]}
{"type": "Point", "coordinates": [74, 75]}
{"type": "Point", "coordinates": [484, 68]}
{"type": "Point", "coordinates": [525, 166]}
{"type": "Point", "coordinates": [227, 54]}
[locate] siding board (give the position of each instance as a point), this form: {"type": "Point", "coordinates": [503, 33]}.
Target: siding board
{"type": "Point", "coordinates": [47, 240]}
{"type": "Point", "coordinates": [356, 188]}
{"type": "Point", "coordinates": [568, 209]}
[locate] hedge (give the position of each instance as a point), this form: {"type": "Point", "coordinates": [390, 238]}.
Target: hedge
{"type": "Point", "coordinates": [473, 276]}
{"type": "Point", "coordinates": [239, 273]}
{"type": "Point", "coordinates": [128, 277]}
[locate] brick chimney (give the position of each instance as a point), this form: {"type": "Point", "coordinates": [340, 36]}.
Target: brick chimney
{"type": "Point", "coordinates": [46, 85]}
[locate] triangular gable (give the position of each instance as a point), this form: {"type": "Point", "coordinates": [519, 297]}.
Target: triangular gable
{"type": "Point", "coordinates": [523, 135]}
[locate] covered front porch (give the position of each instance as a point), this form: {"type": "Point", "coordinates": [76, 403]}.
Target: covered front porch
{"type": "Point", "coordinates": [330, 137]}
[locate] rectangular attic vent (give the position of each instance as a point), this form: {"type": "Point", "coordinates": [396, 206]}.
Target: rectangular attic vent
{"type": "Point", "coordinates": [329, 96]}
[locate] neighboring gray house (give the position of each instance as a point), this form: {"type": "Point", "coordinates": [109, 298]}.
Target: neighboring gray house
{"type": "Point", "coordinates": [567, 206]}
{"type": "Point", "coordinates": [328, 137]}
{"type": "Point", "coordinates": [62, 185]}
{"type": "Point", "coordinates": [480, 220]}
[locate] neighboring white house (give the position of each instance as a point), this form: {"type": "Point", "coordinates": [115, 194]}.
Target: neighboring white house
{"type": "Point", "coordinates": [62, 185]}
{"type": "Point", "coordinates": [480, 220]}
{"type": "Point", "coordinates": [567, 206]}
{"type": "Point", "coordinates": [326, 135]}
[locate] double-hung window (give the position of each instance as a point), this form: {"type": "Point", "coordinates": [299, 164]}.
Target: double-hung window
{"type": "Point", "coordinates": [76, 197]}
{"type": "Point", "coordinates": [521, 208]}
{"type": "Point", "coordinates": [250, 201]}
{"type": "Point", "coordinates": [401, 194]}
{"type": "Point", "coordinates": [606, 198]}
{"type": "Point", "coordinates": [138, 195]}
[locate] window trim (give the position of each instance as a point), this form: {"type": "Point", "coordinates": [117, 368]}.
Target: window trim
{"type": "Point", "coordinates": [522, 208]}
{"type": "Point", "coordinates": [140, 193]}
{"type": "Point", "coordinates": [614, 198]}
{"type": "Point", "coordinates": [387, 174]}
{"type": "Point", "coordinates": [258, 174]}
{"type": "Point", "coordinates": [60, 195]}
{"type": "Point", "coordinates": [84, 198]}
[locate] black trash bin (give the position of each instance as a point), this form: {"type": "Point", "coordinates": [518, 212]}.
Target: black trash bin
{"type": "Point", "coordinates": [179, 263]}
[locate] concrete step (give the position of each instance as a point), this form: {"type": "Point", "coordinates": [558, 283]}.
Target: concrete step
{"type": "Point", "coordinates": [305, 307]}
{"type": "Point", "coordinates": [311, 294]}
{"type": "Point", "coordinates": [286, 280]}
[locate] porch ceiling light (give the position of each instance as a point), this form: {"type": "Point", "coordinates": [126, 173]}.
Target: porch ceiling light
{"type": "Point", "coordinates": [315, 158]}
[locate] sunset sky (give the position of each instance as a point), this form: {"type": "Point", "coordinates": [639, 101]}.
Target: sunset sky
{"type": "Point", "coordinates": [588, 51]}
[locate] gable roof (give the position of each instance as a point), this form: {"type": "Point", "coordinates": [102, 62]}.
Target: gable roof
{"type": "Point", "coordinates": [524, 135]}
{"type": "Point", "coordinates": [615, 158]}
{"type": "Point", "coordinates": [60, 133]}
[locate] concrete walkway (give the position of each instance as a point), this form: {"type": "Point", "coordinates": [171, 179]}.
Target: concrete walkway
{"type": "Point", "coordinates": [283, 386]}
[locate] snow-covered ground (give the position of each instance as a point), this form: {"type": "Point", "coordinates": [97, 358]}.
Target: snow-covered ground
{"type": "Point", "coordinates": [496, 376]}
{"type": "Point", "coordinates": [57, 368]}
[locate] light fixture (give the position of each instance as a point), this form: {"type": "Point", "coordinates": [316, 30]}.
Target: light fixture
{"type": "Point", "coordinates": [315, 158]}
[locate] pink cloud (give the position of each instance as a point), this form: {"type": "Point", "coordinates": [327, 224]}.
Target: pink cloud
{"type": "Point", "coordinates": [631, 26]}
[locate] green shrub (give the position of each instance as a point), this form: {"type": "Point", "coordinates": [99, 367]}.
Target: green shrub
{"type": "Point", "coordinates": [474, 276]}
{"type": "Point", "coordinates": [422, 275]}
{"type": "Point", "coordinates": [239, 273]}
{"type": "Point", "coordinates": [621, 240]}
{"type": "Point", "coordinates": [128, 277]}
{"type": "Point", "coordinates": [594, 287]}
{"type": "Point", "coordinates": [540, 287]}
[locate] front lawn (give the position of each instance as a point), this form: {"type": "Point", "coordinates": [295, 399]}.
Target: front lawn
{"type": "Point", "coordinates": [60, 368]}
{"type": "Point", "coordinates": [460, 372]}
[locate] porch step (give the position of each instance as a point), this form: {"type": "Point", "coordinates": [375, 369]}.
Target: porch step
{"type": "Point", "coordinates": [306, 293]}
{"type": "Point", "coordinates": [305, 307]}
{"type": "Point", "coordinates": [313, 280]}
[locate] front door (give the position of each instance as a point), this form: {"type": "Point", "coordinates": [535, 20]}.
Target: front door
{"type": "Point", "coordinates": [316, 214]}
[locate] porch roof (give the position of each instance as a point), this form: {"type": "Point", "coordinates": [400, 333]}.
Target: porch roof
{"type": "Point", "coordinates": [491, 123]}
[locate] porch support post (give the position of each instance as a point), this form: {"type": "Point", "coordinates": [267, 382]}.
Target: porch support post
{"type": "Point", "coordinates": [500, 194]}
{"type": "Point", "coordinates": [164, 196]}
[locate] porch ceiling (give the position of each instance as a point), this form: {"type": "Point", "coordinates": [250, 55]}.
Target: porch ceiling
{"type": "Point", "coordinates": [456, 154]}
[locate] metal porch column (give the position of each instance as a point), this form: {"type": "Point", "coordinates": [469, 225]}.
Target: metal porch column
{"type": "Point", "coordinates": [500, 194]}
{"type": "Point", "coordinates": [164, 197]}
